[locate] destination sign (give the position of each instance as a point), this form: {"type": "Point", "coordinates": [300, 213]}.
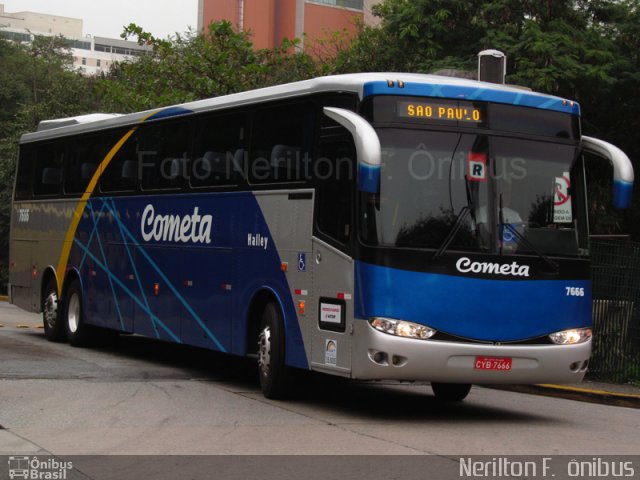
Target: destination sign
{"type": "Point", "coordinates": [455, 112]}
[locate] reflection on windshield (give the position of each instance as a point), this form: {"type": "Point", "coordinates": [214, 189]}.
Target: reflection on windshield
{"type": "Point", "coordinates": [428, 178]}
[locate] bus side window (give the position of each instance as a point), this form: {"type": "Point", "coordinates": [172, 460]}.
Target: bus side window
{"type": "Point", "coordinates": [122, 172]}
{"type": "Point", "coordinates": [334, 171]}
{"type": "Point", "coordinates": [282, 141]}
{"type": "Point", "coordinates": [82, 161]}
{"type": "Point", "coordinates": [164, 151]}
{"type": "Point", "coordinates": [26, 164]}
{"type": "Point", "coordinates": [219, 151]}
{"type": "Point", "coordinates": [48, 171]}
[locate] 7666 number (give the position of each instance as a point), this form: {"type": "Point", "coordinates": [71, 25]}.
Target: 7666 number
{"type": "Point", "coordinates": [575, 291]}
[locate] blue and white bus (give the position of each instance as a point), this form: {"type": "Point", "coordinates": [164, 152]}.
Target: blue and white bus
{"type": "Point", "coordinates": [372, 226]}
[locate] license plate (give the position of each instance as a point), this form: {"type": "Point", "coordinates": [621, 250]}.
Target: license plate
{"type": "Point", "coordinates": [493, 363]}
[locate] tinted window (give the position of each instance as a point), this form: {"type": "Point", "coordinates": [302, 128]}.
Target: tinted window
{"type": "Point", "coordinates": [334, 169]}
{"type": "Point", "coordinates": [24, 174]}
{"type": "Point", "coordinates": [282, 140]}
{"type": "Point", "coordinates": [163, 154]}
{"type": "Point", "coordinates": [122, 172]}
{"type": "Point", "coordinates": [219, 151]}
{"type": "Point", "coordinates": [48, 172]}
{"type": "Point", "coordinates": [83, 158]}
{"type": "Point", "coordinates": [534, 121]}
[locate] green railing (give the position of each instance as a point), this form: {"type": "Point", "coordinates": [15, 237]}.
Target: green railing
{"type": "Point", "coordinates": [616, 311]}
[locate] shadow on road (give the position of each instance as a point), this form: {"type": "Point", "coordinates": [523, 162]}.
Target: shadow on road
{"type": "Point", "coordinates": [332, 395]}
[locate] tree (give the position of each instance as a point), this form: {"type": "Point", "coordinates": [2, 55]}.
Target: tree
{"type": "Point", "coordinates": [193, 66]}
{"type": "Point", "coordinates": [36, 83]}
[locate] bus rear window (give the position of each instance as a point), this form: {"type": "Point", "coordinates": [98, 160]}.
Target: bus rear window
{"type": "Point", "coordinates": [24, 175]}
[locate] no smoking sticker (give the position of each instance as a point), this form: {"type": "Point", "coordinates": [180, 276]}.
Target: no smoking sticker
{"type": "Point", "coordinates": [562, 199]}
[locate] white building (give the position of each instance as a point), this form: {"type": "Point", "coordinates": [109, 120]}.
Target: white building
{"type": "Point", "coordinates": [91, 55]}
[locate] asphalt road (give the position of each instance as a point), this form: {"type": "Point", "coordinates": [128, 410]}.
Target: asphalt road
{"type": "Point", "coordinates": [142, 397]}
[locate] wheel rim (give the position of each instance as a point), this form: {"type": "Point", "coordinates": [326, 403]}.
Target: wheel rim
{"type": "Point", "coordinates": [264, 350]}
{"type": "Point", "coordinates": [51, 310]}
{"type": "Point", "coordinates": [73, 313]}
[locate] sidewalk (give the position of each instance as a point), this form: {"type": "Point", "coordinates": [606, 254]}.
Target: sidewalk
{"type": "Point", "coordinates": [624, 395]}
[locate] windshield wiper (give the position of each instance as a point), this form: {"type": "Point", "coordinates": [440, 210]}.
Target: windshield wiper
{"type": "Point", "coordinates": [464, 213]}
{"type": "Point", "coordinates": [523, 239]}
{"type": "Point", "coordinates": [462, 216]}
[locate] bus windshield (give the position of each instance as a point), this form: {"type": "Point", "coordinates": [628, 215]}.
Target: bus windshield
{"type": "Point", "coordinates": [519, 194]}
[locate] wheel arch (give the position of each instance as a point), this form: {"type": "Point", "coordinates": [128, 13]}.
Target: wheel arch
{"type": "Point", "coordinates": [48, 274]}
{"type": "Point", "coordinates": [72, 274]}
{"type": "Point", "coordinates": [263, 296]}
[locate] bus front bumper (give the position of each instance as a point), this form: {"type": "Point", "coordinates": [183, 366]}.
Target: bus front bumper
{"type": "Point", "coordinates": [380, 356]}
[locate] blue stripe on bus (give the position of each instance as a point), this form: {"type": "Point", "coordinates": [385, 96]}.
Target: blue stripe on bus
{"type": "Point", "coordinates": [473, 308]}
{"type": "Point", "coordinates": [175, 292]}
{"type": "Point", "coordinates": [93, 232]}
{"type": "Point", "coordinates": [483, 94]}
{"type": "Point", "coordinates": [202, 313]}
{"type": "Point", "coordinates": [133, 265]}
{"type": "Point", "coordinates": [104, 259]}
{"type": "Point", "coordinates": [124, 288]}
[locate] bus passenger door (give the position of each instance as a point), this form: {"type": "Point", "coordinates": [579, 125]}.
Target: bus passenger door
{"type": "Point", "coordinates": [333, 267]}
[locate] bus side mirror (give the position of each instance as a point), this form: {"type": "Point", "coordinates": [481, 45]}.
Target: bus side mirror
{"type": "Point", "coordinates": [622, 169]}
{"type": "Point", "coordinates": [367, 143]}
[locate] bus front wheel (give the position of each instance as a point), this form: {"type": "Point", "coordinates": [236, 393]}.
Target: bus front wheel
{"type": "Point", "coordinates": [451, 392]}
{"type": "Point", "coordinates": [275, 377]}
{"type": "Point", "coordinates": [53, 326]}
{"type": "Point", "coordinates": [78, 333]}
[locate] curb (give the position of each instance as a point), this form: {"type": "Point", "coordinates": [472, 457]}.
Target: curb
{"type": "Point", "coordinates": [602, 397]}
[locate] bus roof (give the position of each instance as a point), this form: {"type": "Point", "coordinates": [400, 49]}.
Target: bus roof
{"type": "Point", "coordinates": [364, 84]}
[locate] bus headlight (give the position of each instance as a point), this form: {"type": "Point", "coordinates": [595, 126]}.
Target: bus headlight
{"type": "Point", "coordinates": [400, 328]}
{"type": "Point", "coordinates": [571, 337]}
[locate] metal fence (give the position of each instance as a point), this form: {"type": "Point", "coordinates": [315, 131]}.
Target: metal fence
{"type": "Point", "coordinates": [616, 310]}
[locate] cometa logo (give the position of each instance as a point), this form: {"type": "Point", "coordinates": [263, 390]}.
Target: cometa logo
{"type": "Point", "coordinates": [465, 265]}
{"type": "Point", "coordinates": [193, 228]}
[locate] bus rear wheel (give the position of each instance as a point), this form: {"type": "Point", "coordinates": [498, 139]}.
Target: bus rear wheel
{"type": "Point", "coordinates": [451, 392]}
{"type": "Point", "coordinates": [275, 377]}
{"type": "Point", "coordinates": [53, 326]}
{"type": "Point", "coordinates": [78, 333]}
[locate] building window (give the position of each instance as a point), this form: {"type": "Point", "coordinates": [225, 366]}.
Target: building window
{"type": "Point", "coordinates": [98, 63]}
{"type": "Point", "coordinates": [355, 4]}
{"type": "Point", "coordinates": [84, 61]}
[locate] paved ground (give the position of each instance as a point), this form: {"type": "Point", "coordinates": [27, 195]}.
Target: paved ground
{"type": "Point", "coordinates": [142, 397]}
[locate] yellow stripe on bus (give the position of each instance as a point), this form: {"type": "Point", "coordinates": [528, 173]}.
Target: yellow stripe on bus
{"type": "Point", "coordinates": [77, 214]}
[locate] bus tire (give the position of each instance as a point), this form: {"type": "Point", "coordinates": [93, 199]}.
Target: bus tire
{"type": "Point", "coordinates": [78, 333]}
{"type": "Point", "coordinates": [275, 377]}
{"type": "Point", "coordinates": [53, 326]}
{"type": "Point", "coordinates": [451, 392]}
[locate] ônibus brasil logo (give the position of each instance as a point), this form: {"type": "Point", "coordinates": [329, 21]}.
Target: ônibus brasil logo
{"type": "Point", "coordinates": [465, 265]}
{"type": "Point", "coordinates": [36, 469]}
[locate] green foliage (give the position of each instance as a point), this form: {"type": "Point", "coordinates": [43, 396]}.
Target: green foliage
{"type": "Point", "coordinates": [36, 83]}
{"type": "Point", "coordinates": [199, 65]}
